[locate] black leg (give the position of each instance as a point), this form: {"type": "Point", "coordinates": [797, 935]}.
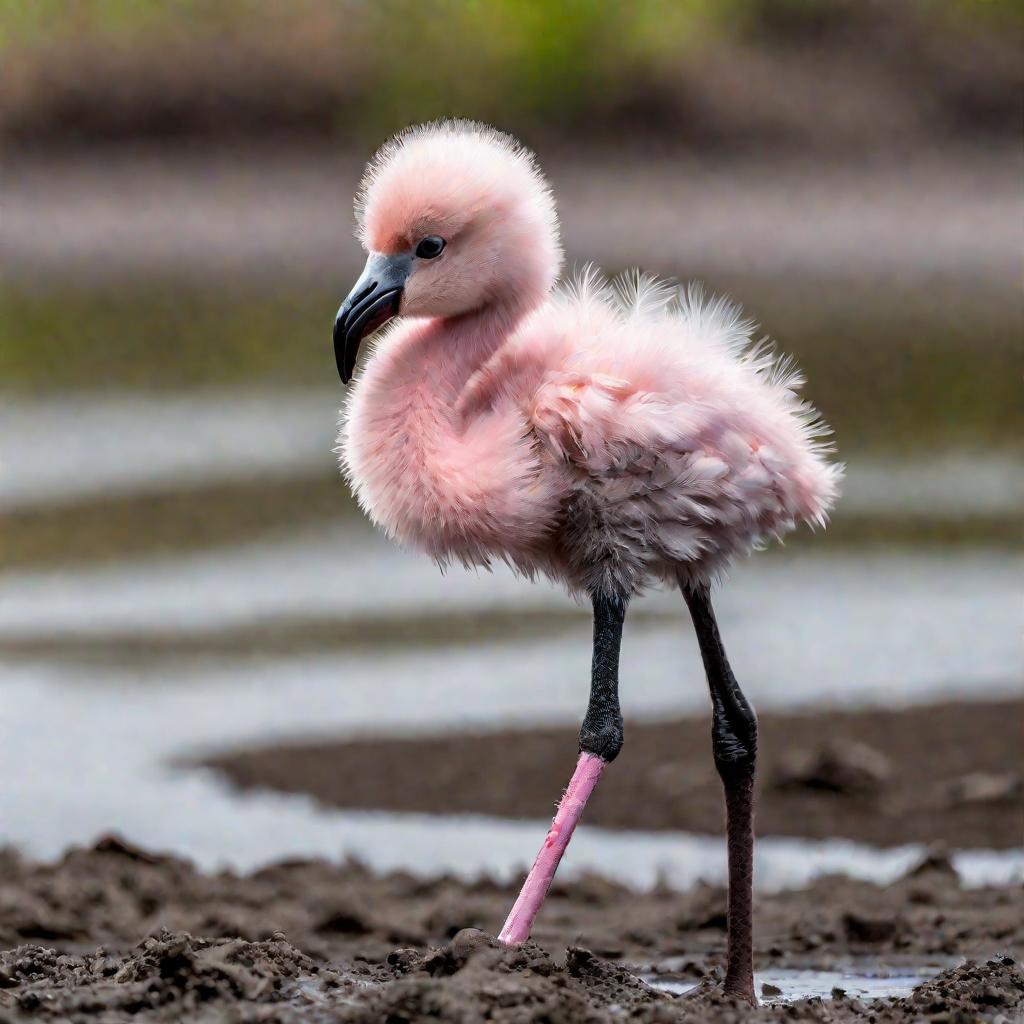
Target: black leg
{"type": "Point", "coordinates": [601, 732]}
{"type": "Point", "coordinates": [734, 743]}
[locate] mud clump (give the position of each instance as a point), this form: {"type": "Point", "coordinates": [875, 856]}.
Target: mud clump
{"type": "Point", "coordinates": [474, 978]}
{"type": "Point", "coordinates": [142, 936]}
{"type": "Point", "coordinates": [974, 989]}
{"type": "Point", "coordinates": [838, 766]}
{"type": "Point", "coordinates": [169, 976]}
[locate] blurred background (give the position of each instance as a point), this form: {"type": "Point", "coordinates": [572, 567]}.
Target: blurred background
{"type": "Point", "coordinates": [206, 648]}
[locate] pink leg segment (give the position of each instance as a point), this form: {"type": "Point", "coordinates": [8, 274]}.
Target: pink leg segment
{"type": "Point", "coordinates": [535, 888]}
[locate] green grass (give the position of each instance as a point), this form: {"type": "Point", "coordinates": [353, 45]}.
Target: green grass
{"type": "Point", "coordinates": [515, 25]}
{"type": "Point", "coordinates": [372, 68]}
{"type": "Point", "coordinates": [162, 334]}
{"type": "Point", "coordinates": [511, 25]}
{"type": "Point", "coordinates": [361, 70]}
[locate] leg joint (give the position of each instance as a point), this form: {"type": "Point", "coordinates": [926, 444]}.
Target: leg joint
{"type": "Point", "coordinates": [734, 741]}
{"type": "Point", "coordinates": [601, 732]}
{"type": "Point", "coordinates": [602, 735]}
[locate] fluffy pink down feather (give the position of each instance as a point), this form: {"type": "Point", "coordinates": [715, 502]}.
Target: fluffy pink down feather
{"type": "Point", "coordinates": [608, 435]}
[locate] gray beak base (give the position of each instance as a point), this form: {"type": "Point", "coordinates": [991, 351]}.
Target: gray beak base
{"type": "Point", "coordinates": [372, 303]}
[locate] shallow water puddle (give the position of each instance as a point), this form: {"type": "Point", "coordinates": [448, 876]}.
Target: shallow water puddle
{"type": "Point", "coordinates": [785, 985]}
{"type": "Point", "coordinates": [104, 726]}
{"type": "Point", "coordinates": [75, 729]}
{"type": "Point", "coordinates": [794, 628]}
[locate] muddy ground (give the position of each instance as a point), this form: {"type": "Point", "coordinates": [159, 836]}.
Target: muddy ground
{"type": "Point", "coordinates": [948, 772]}
{"type": "Point", "coordinates": [115, 933]}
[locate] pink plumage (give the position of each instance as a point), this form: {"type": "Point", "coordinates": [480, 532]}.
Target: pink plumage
{"type": "Point", "coordinates": [609, 436]}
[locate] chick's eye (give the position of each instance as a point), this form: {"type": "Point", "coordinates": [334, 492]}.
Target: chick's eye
{"type": "Point", "coordinates": [430, 248]}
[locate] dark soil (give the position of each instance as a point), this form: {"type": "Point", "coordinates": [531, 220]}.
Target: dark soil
{"type": "Point", "coordinates": [116, 934]}
{"type": "Point", "coordinates": [948, 772]}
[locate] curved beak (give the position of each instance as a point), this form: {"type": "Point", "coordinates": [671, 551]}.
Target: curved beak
{"type": "Point", "coordinates": [372, 302]}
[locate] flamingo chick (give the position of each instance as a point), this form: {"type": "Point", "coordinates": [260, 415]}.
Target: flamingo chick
{"type": "Point", "coordinates": [608, 438]}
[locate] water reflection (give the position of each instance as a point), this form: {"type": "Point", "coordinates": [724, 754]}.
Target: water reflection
{"type": "Point", "coordinates": [866, 982]}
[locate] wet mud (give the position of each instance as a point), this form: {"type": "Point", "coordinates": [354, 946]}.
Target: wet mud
{"type": "Point", "coordinates": [116, 933]}
{"type": "Point", "coordinates": [948, 772]}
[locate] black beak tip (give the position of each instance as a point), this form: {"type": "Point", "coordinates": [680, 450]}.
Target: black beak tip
{"type": "Point", "coordinates": [373, 301]}
{"type": "Point", "coordinates": [352, 326]}
{"type": "Point", "coordinates": [344, 370]}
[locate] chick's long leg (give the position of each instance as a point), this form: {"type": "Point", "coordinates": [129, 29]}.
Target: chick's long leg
{"type": "Point", "coordinates": [600, 743]}
{"type": "Point", "coordinates": [734, 746]}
